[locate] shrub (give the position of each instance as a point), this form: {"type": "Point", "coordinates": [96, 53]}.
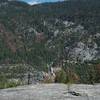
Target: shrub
{"type": "Point", "coordinates": [61, 77]}
{"type": "Point", "coordinates": [8, 84]}
{"type": "Point", "coordinates": [66, 77]}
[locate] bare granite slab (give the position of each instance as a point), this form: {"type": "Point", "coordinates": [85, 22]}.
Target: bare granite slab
{"type": "Point", "coordinates": [51, 92]}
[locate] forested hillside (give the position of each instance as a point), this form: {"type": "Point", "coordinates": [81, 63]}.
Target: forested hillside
{"type": "Point", "coordinates": [51, 32]}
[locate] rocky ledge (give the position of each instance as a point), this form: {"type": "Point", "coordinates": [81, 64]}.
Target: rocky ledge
{"type": "Point", "coordinates": [52, 92]}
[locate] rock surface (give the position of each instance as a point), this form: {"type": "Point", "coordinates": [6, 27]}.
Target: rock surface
{"type": "Point", "coordinates": [51, 92]}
